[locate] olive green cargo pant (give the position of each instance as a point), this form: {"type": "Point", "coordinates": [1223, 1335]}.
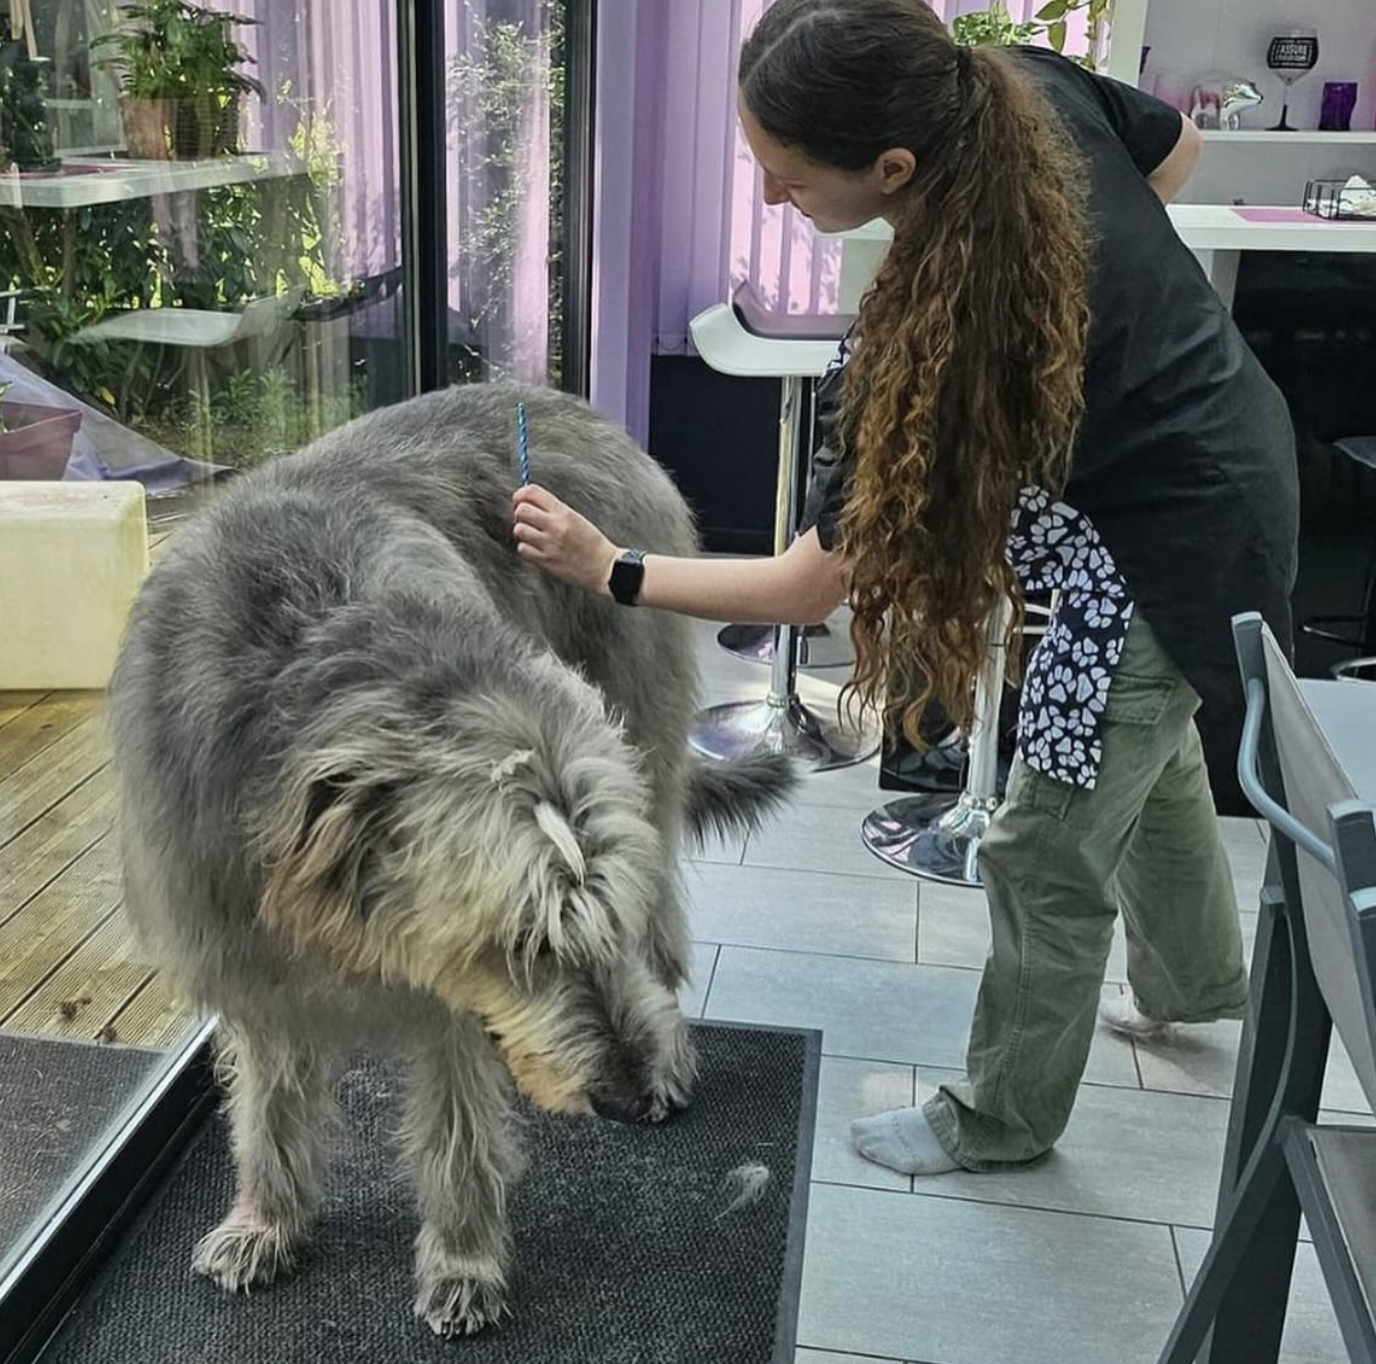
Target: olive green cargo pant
{"type": "Point", "coordinates": [1058, 864]}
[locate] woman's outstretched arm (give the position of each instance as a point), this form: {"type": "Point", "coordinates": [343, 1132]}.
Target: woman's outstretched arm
{"type": "Point", "coordinates": [802, 586]}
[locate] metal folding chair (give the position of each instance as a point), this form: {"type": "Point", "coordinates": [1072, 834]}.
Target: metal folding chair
{"type": "Point", "coordinates": [1312, 971]}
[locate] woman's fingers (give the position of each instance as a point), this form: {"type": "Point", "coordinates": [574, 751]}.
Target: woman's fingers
{"type": "Point", "coordinates": [529, 514]}
{"type": "Point", "coordinates": [532, 495]}
{"type": "Point", "coordinates": [557, 538]}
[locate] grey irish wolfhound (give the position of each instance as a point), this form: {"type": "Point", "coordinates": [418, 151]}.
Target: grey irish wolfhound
{"type": "Point", "coordinates": [384, 782]}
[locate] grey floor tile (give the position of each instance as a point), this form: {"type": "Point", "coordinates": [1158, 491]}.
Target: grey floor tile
{"type": "Point", "coordinates": [1342, 1090]}
{"type": "Point", "coordinates": [953, 930]}
{"type": "Point", "coordinates": [1245, 833]}
{"type": "Point", "coordinates": [802, 911]}
{"type": "Point", "coordinates": [716, 849]}
{"type": "Point", "coordinates": [817, 838]}
{"type": "Point", "coordinates": [847, 1090]}
{"type": "Point", "coordinates": [1111, 1059]}
{"type": "Point", "coordinates": [1202, 1059]}
{"type": "Point", "coordinates": [1199, 1059]}
{"type": "Point", "coordinates": [972, 1283]}
{"type": "Point", "coordinates": [886, 1011]}
{"type": "Point", "coordinates": [882, 1010]}
{"type": "Point", "coordinates": [1125, 1153]}
{"type": "Point", "coordinates": [693, 997]}
{"type": "Point", "coordinates": [827, 1357]}
{"type": "Point", "coordinates": [1311, 1329]}
{"type": "Point", "coordinates": [846, 788]}
{"type": "Point", "coordinates": [1248, 862]}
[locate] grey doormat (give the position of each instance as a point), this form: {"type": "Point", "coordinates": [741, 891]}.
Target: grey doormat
{"type": "Point", "coordinates": [625, 1254]}
{"type": "Point", "coordinates": [57, 1102]}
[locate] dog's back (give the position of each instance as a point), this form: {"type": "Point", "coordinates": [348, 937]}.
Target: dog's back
{"type": "Point", "coordinates": [377, 561]}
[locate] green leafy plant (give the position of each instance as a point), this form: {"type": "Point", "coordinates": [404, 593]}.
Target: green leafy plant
{"type": "Point", "coordinates": [179, 66]}
{"type": "Point", "coordinates": [172, 49]}
{"type": "Point", "coordinates": [996, 26]}
{"type": "Point", "coordinates": [491, 83]}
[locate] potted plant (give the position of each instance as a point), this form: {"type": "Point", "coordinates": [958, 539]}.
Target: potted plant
{"type": "Point", "coordinates": [179, 67]}
{"type": "Point", "coordinates": [35, 441]}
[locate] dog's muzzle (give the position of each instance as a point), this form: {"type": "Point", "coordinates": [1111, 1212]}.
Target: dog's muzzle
{"type": "Point", "coordinates": [622, 1107]}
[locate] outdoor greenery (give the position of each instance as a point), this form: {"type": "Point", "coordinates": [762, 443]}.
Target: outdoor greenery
{"type": "Point", "coordinates": [256, 238]}
{"type": "Point", "coordinates": [995, 25]}
{"type": "Point", "coordinates": [490, 89]}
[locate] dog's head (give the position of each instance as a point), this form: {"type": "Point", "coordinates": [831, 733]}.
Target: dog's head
{"type": "Point", "coordinates": [503, 859]}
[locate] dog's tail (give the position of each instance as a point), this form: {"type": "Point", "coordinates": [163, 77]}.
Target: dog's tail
{"type": "Point", "coordinates": [727, 798]}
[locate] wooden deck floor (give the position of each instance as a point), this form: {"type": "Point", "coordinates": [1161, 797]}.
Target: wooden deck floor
{"type": "Point", "coordinates": [68, 966]}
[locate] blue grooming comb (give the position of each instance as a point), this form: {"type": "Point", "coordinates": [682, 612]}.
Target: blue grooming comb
{"type": "Point", "coordinates": [523, 442]}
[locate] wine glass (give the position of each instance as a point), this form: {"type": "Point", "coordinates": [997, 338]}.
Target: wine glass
{"type": "Point", "coordinates": [1293, 52]}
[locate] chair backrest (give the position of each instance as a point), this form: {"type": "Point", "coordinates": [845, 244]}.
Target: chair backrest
{"type": "Point", "coordinates": [1314, 783]}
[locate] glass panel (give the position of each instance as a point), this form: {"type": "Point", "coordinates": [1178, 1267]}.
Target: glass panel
{"type": "Point", "coordinates": [505, 65]}
{"type": "Point", "coordinates": [188, 286]}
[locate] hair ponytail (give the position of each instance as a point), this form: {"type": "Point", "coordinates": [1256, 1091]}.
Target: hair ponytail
{"type": "Point", "coordinates": [966, 381]}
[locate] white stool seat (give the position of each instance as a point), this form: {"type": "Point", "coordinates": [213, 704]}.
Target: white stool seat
{"type": "Point", "coordinates": [72, 558]}
{"type": "Point", "coordinates": [729, 347]}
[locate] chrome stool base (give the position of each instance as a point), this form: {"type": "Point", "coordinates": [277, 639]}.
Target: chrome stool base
{"type": "Point", "coordinates": [819, 647]}
{"type": "Point", "coordinates": [743, 728]}
{"type": "Point", "coordinates": [936, 837]}
{"type": "Point", "coordinates": [780, 722]}
{"type": "Point", "coordinates": [930, 837]}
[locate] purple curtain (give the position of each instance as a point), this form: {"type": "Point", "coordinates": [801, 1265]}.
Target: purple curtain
{"type": "Point", "coordinates": [680, 212]}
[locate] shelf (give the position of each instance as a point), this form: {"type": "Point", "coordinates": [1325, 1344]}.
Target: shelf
{"type": "Point", "coordinates": [1305, 138]}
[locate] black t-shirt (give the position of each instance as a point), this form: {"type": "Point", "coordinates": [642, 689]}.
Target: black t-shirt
{"type": "Point", "coordinates": [1185, 463]}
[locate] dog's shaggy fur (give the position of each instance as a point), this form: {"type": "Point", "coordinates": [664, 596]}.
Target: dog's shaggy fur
{"type": "Point", "coordinates": [384, 781]}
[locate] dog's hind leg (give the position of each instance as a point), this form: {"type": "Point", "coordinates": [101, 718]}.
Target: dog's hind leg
{"type": "Point", "coordinates": [461, 1150]}
{"type": "Point", "coordinates": [282, 1111]}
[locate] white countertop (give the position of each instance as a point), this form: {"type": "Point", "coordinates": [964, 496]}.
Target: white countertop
{"type": "Point", "coordinates": [1216, 227]}
{"type": "Point", "coordinates": [84, 181]}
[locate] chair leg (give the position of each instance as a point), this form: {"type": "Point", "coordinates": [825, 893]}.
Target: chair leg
{"type": "Point", "coordinates": [1226, 1257]}
{"type": "Point", "coordinates": [1344, 1290]}
{"type": "Point", "coordinates": [1280, 1071]}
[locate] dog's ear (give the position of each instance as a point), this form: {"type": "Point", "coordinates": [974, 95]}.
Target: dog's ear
{"type": "Point", "coordinates": [322, 853]}
{"type": "Point", "coordinates": [575, 853]}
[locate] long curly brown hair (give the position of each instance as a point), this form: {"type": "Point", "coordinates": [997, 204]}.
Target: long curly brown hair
{"type": "Point", "coordinates": [966, 381]}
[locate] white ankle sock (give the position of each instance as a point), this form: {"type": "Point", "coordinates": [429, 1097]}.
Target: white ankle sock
{"type": "Point", "coordinates": [903, 1140]}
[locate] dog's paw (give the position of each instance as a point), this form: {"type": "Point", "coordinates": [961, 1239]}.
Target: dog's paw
{"type": "Point", "coordinates": [241, 1254]}
{"type": "Point", "coordinates": [464, 1300]}
{"type": "Point", "coordinates": [673, 1086]}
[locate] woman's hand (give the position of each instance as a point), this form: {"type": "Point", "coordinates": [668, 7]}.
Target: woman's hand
{"type": "Point", "coordinates": [555, 537]}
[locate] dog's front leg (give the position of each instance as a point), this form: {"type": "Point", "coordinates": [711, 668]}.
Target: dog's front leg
{"type": "Point", "coordinates": [282, 1109]}
{"type": "Point", "coordinates": [462, 1154]}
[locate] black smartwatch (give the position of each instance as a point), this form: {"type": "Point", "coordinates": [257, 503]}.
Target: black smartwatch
{"type": "Point", "coordinates": [628, 572]}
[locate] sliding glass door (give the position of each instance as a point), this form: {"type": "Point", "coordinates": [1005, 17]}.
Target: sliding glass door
{"type": "Point", "coordinates": [187, 288]}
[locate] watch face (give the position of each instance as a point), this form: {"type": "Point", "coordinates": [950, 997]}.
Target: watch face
{"type": "Point", "coordinates": [628, 572]}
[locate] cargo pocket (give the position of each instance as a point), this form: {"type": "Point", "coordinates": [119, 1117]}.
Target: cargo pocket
{"type": "Point", "coordinates": [1135, 700]}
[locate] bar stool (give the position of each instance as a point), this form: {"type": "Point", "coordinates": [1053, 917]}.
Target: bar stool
{"type": "Point", "coordinates": [933, 836]}
{"type": "Point", "coordinates": [780, 723]}
{"type": "Point", "coordinates": [819, 646]}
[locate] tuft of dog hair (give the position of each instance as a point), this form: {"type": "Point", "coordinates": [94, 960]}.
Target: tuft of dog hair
{"type": "Point", "coordinates": [385, 784]}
